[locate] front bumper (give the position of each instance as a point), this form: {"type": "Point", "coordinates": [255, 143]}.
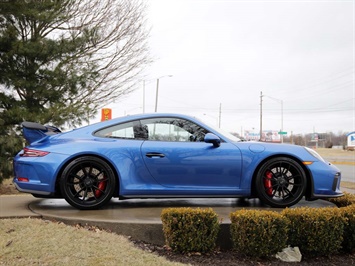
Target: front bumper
{"type": "Point", "coordinates": [326, 181]}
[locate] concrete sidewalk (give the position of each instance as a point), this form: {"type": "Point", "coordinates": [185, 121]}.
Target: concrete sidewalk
{"type": "Point", "coordinates": [148, 210]}
{"type": "Point", "coordinates": [17, 206]}
{"type": "Point", "coordinates": [25, 205]}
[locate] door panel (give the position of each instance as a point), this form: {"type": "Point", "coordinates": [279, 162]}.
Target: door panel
{"type": "Point", "coordinates": [196, 165]}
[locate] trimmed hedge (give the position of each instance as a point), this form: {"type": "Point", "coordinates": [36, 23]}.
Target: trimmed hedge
{"type": "Point", "coordinates": [343, 201]}
{"type": "Point", "coordinates": [190, 230]}
{"type": "Point", "coordinates": [349, 228]}
{"type": "Point", "coordinates": [258, 233]}
{"type": "Point", "coordinates": [315, 231]}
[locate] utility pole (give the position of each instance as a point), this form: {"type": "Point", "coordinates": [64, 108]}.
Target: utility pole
{"type": "Point", "coordinates": [143, 96]}
{"type": "Point", "coordinates": [156, 96]}
{"type": "Point", "coordinates": [261, 114]}
{"type": "Point", "coordinates": [157, 91]}
{"type": "Point", "coordinates": [220, 115]}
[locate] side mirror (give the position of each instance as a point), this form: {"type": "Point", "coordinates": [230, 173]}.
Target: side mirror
{"type": "Point", "coordinates": [212, 138]}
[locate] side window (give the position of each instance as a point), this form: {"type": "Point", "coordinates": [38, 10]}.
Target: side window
{"type": "Point", "coordinates": [173, 129]}
{"type": "Point", "coordinates": [124, 131]}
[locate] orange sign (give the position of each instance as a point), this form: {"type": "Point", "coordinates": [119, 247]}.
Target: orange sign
{"type": "Point", "coordinates": [106, 114]}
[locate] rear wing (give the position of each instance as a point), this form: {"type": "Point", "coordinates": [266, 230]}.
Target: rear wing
{"type": "Point", "coordinates": [34, 131]}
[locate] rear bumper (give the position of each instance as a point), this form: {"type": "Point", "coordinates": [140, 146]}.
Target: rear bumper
{"type": "Point", "coordinates": [37, 175]}
{"type": "Point", "coordinates": [25, 187]}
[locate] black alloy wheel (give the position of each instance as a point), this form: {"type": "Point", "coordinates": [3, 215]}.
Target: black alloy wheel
{"type": "Point", "coordinates": [87, 183]}
{"type": "Point", "coordinates": [281, 182]}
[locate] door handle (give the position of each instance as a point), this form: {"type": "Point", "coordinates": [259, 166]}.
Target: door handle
{"type": "Point", "coordinates": [154, 154]}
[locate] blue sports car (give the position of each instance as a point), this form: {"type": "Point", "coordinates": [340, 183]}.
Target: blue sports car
{"type": "Point", "coordinates": [166, 156]}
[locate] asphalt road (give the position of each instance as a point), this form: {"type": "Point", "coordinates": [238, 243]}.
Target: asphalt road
{"type": "Point", "coordinates": [347, 172]}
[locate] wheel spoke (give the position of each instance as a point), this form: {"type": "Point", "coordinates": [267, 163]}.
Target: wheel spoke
{"type": "Point", "coordinates": [283, 192]}
{"type": "Point", "coordinates": [295, 185]}
{"type": "Point", "coordinates": [76, 176]}
{"type": "Point", "coordinates": [279, 169]}
{"type": "Point", "coordinates": [298, 185]}
{"type": "Point", "coordinates": [290, 192]}
{"type": "Point", "coordinates": [292, 177]}
{"type": "Point", "coordinates": [90, 170]}
{"type": "Point", "coordinates": [97, 188]}
{"type": "Point", "coordinates": [73, 183]}
{"type": "Point", "coordinates": [274, 192]}
{"type": "Point", "coordinates": [272, 173]}
{"type": "Point", "coordinates": [286, 169]}
{"type": "Point", "coordinates": [104, 179]}
{"type": "Point", "coordinates": [78, 192]}
{"type": "Point", "coordinates": [85, 194]}
{"type": "Point", "coordinates": [274, 170]}
{"type": "Point", "coordinates": [93, 193]}
{"type": "Point", "coordinates": [99, 172]}
{"type": "Point", "coordinates": [83, 168]}
{"type": "Point", "coordinates": [268, 178]}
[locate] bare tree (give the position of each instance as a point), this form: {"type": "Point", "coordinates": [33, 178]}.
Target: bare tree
{"type": "Point", "coordinates": [118, 45]}
{"type": "Point", "coordinates": [61, 60]}
{"type": "Point", "coordinates": [69, 57]}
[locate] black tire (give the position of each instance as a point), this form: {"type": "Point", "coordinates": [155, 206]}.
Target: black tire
{"type": "Point", "coordinates": [281, 182]}
{"type": "Point", "coordinates": [87, 183]}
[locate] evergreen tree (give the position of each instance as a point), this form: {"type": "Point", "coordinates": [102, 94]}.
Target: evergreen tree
{"type": "Point", "coordinates": [62, 60]}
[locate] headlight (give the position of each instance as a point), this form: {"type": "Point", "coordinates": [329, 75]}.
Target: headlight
{"type": "Point", "coordinates": [315, 154]}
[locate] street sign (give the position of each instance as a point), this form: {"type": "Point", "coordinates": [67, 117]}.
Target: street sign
{"type": "Point", "coordinates": [282, 133]}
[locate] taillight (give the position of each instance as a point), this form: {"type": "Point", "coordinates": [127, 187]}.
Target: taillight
{"type": "Point", "coordinates": [23, 179]}
{"type": "Point", "coordinates": [33, 153]}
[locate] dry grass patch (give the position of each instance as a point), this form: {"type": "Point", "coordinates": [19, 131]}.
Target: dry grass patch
{"type": "Point", "coordinates": [8, 188]}
{"type": "Point", "coordinates": [335, 153]}
{"type": "Point", "coordinates": [34, 241]}
{"type": "Point", "coordinates": [346, 184]}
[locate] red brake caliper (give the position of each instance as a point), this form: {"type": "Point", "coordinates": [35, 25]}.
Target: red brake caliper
{"type": "Point", "coordinates": [101, 186]}
{"type": "Point", "coordinates": [268, 183]}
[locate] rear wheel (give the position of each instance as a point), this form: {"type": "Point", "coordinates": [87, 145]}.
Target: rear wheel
{"type": "Point", "coordinates": [87, 183]}
{"type": "Point", "coordinates": [281, 182]}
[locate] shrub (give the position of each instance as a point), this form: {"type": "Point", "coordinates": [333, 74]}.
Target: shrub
{"type": "Point", "coordinates": [190, 230]}
{"type": "Point", "coordinates": [346, 200]}
{"type": "Point", "coordinates": [349, 228]}
{"type": "Point", "coordinates": [315, 231]}
{"type": "Point", "coordinates": [258, 233]}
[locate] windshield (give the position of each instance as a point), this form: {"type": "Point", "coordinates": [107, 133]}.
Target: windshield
{"type": "Point", "coordinates": [222, 132]}
{"type": "Point", "coordinates": [227, 134]}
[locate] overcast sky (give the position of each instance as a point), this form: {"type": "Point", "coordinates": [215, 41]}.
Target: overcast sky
{"type": "Point", "coordinates": [224, 53]}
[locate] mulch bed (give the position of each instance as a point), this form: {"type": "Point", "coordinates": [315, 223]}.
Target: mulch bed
{"type": "Point", "coordinates": [228, 257]}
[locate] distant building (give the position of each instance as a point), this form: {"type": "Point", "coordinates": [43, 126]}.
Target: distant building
{"type": "Point", "coordinates": [271, 136]}
{"type": "Point", "coordinates": [267, 135]}
{"type": "Point", "coordinates": [250, 135]}
{"type": "Point", "coordinates": [351, 141]}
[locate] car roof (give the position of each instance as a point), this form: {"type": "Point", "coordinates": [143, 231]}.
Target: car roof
{"type": "Point", "coordinates": [139, 116]}
{"type": "Point", "coordinates": [89, 129]}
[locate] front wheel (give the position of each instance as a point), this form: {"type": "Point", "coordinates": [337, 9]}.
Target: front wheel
{"type": "Point", "coordinates": [87, 183]}
{"type": "Point", "coordinates": [281, 182]}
